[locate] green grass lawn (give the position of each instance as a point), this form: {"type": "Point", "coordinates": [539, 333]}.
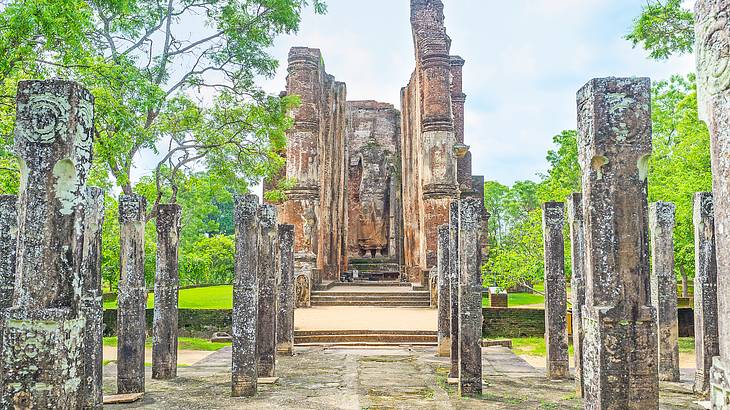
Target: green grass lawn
{"type": "Point", "coordinates": [183, 343]}
{"type": "Point", "coordinates": [212, 297]}
{"type": "Point", "coordinates": [519, 299]}
{"type": "Point", "coordinates": [535, 346]}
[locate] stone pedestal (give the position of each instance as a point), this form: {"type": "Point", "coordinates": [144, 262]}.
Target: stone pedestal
{"type": "Point", "coordinates": [470, 298]}
{"type": "Point", "coordinates": [43, 335]}
{"type": "Point", "coordinates": [285, 320]}
{"type": "Point", "coordinates": [705, 291]}
{"type": "Point", "coordinates": [92, 305]}
{"type": "Point", "coordinates": [454, 286]}
{"type": "Point", "coordinates": [664, 288]}
{"type": "Point", "coordinates": [167, 283]}
{"type": "Point", "coordinates": [577, 282]}
{"type": "Point", "coordinates": [131, 323]}
{"type": "Point", "coordinates": [556, 331]}
{"type": "Point", "coordinates": [712, 36]}
{"type": "Point", "coordinates": [267, 273]}
{"type": "Point", "coordinates": [620, 340]}
{"type": "Point", "coordinates": [444, 301]}
{"type": "Point", "coordinates": [244, 372]}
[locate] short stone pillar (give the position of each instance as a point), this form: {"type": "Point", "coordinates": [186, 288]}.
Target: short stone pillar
{"type": "Point", "coordinates": [42, 354]}
{"type": "Point", "coordinates": [577, 282]}
{"type": "Point", "coordinates": [92, 305]}
{"type": "Point", "coordinates": [167, 283]}
{"type": "Point", "coordinates": [267, 276]}
{"type": "Point", "coordinates": [556, 331]}
{"type": "Point", "coordinates": [285, 320]}
{"type": "Point", "coordinates": [454, 286]}
{"type": "Point", "coordinates": [444, 301]}
{"type": "Point", "coordinates": [470, 298]}
{"type": "Point", "coordinates": [712, 34]}
{"type": "Point", "coordinates": [620, 341]}
{"type": "Point", "coordinates": [132, 299]}
{"type": "Point", "coordinates": [705, 291]}
{"type": "Point", "coordinates": [8, 245]}
{"type": "Point", "coordinates": [664, 288]}
{"type": "Point", "coordinates": [244, 373]}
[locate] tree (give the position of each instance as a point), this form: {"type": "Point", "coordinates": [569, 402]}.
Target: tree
{"type": "Point", "coordinates": [663, 28]}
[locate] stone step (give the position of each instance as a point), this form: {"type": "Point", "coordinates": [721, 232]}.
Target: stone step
{"type": "Point", "coordinates": [374, 283]}
{"type": "Point", "coordinates": [365, 332]}
{"type": "Point", "coordinates": [364, 337]}
{"type": "Point", "coordinates": [374, 303]}
{"type": "Point", "coordinates": [334, 293]}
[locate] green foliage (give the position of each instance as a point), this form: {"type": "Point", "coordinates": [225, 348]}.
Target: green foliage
{"type": "Point", "coordinates": [663, 28]}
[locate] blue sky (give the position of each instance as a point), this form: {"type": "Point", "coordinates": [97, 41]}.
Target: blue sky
{"type": "Point", "coordinates": [525, 61]}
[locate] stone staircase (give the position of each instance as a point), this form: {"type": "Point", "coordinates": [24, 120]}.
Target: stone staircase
{"type": "Point", "coordinates": [365, 337]}
{"type": "Point", "coordinates": [373, 294]}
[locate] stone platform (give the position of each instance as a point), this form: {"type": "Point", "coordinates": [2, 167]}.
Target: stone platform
{"type": "Point", "coordinates": [396, 378]}
{"type": "Point", "coordinates": [374, 294]}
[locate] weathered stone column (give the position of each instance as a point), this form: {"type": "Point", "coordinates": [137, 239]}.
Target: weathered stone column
{"type": "Point", "coordinates": [132, 299]}
{"type": "Point", "coordinates": [705, 291]}
{"type": "Point", "coordinates": [444, 300]}
{"type": "Point", "coordinates": [664, 288]}
{"type": "Point", "coordinates": [267, 274]}
{"type": "Point", "coordinates": [92, 305]}
{"type": "Point", "coordinates": [577, 282]}
{"type": "Point", "coordinates": [620, 341]}
{"type": "Point", "coordinates": [470, 298]}
{"type": "Point", "coordinates": [167, 283]}
{"type": "Point", "coordinates": [244, 373]}
{"type": "Point", "coordinates": [712, 36]}
{"type": "Point", "coordinates": [556, 331]}
{"type": "Point", "coordinates": [8, 245]}
{"type": "Point", "coordinates": [42, 364]}
{"type": "Point", "coordinates": [454, 286]}
{"type": "Point", "coordinates": [285, 320]}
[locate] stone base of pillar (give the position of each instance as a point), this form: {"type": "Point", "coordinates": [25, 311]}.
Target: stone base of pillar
{"type": "Point", "coordinates": [304, 264]}
{"type": "Point", "coordinates": [284, 349]}
{"type": "Point", "coordinates": [720, 384]}
{"type": "Point", "coordinates": [625, 347]}
{"type": "Point", "coordinates": [444, 348]}
{"type": "Point", "coordinates": [41, 360]}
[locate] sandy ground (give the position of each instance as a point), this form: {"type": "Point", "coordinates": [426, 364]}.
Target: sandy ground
{"type": "Point", "coordinates": [365, 318]}
{"type": "Point", "coordinates": [686, 361]}
{"type": "Point", "coordinates": [184, 357]}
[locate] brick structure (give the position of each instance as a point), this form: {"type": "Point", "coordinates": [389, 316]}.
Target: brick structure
{"type": "Point", "coordinates": [620, 340]}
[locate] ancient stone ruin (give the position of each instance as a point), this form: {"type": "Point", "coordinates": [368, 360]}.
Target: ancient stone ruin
{"type": "Point", "coordinates": [556, 332]}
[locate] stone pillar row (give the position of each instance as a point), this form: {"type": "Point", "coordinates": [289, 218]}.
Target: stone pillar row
{"type": "Point", "coordinates": [263, 294]}
{"type": "Point", "coordinates": [556, 332]}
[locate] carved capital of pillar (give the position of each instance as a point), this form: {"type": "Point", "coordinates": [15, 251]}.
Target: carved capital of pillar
{"type": "Point", "coordinates": [437, 191]}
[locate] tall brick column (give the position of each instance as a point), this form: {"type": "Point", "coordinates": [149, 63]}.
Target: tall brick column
{"type": "Point", "coordinates": [454, 286]}
{"type": "Point", "coordinates": [620, 340]}
{"type": "Point", "coordinates": [285, 295]}
{"type": "Point", "coordinates": [267, 276]}
{"type": "Point", "coordinates": [131, 323]}
{"type": "Point", "coordinates": [43, 335]}
{"type": "Point", "coordinates": [444, 300]}
{"type": "Point", "coordinates": [438, 162]}
{"type": "Point", "coordinates": [458, 99]}
{"type": "Point", "coordinates": [664, 288]}
{"type": "Point", "coordinates": [167, 283]}
{"type": "Point", "coordinates": [712, 36]}
{"type": "Point", "coordinates": [302, 161]}
{"type": "Point", "coordinates": [705, 291]}
{"type": "Point", "coordinates": [470, 298]}
{"type": "Point", "coordinates": [556, 331]}
{"type": "Point", "coordinates": [577, 282]}
{"type": "Point", "coordinates": [92, 304]}
{"type": "Point", "coordinates": [244, 373]}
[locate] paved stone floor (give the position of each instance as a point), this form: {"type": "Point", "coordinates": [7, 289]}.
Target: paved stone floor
{"type": "Point", "coordinates": [398, 378]}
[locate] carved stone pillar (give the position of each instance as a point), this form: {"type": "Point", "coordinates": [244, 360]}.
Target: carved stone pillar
{"type": "Point", "coordinates": [454, 286]}
{"type": "Point", "coordinates": [167, 283]}
{"type": "Point", "coordinates": [620, 340]}
{"type": "Point", "coordinates": [285, 320]}
{"type": "Point", "coordinates": [556, 332]}
{"type": "Point", "coordinates": [131, 322]}
{"type": "Point", "coordinates": [470, 298]}
{"type": "Point", "coordinates": [267, 275]}
{"type": "Point", "coordinates": [43, 335]}
{"type": "Point", "coordinates": [705, 291]}
{"type": "Point", "coordinates": [664, 288]}
{"type": "Point", "coordinates": [577, 282]}
{"type": "Point", "coordinates": [8, 245]}
{"type": "Point", "coordinates": [92, 304]}
{"type": "Point", "coordinates": [444, 301]}
{"type": "Point", "coordinates": [244, 371]}
{"type": "Point", "coordinates": [712, 36]}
